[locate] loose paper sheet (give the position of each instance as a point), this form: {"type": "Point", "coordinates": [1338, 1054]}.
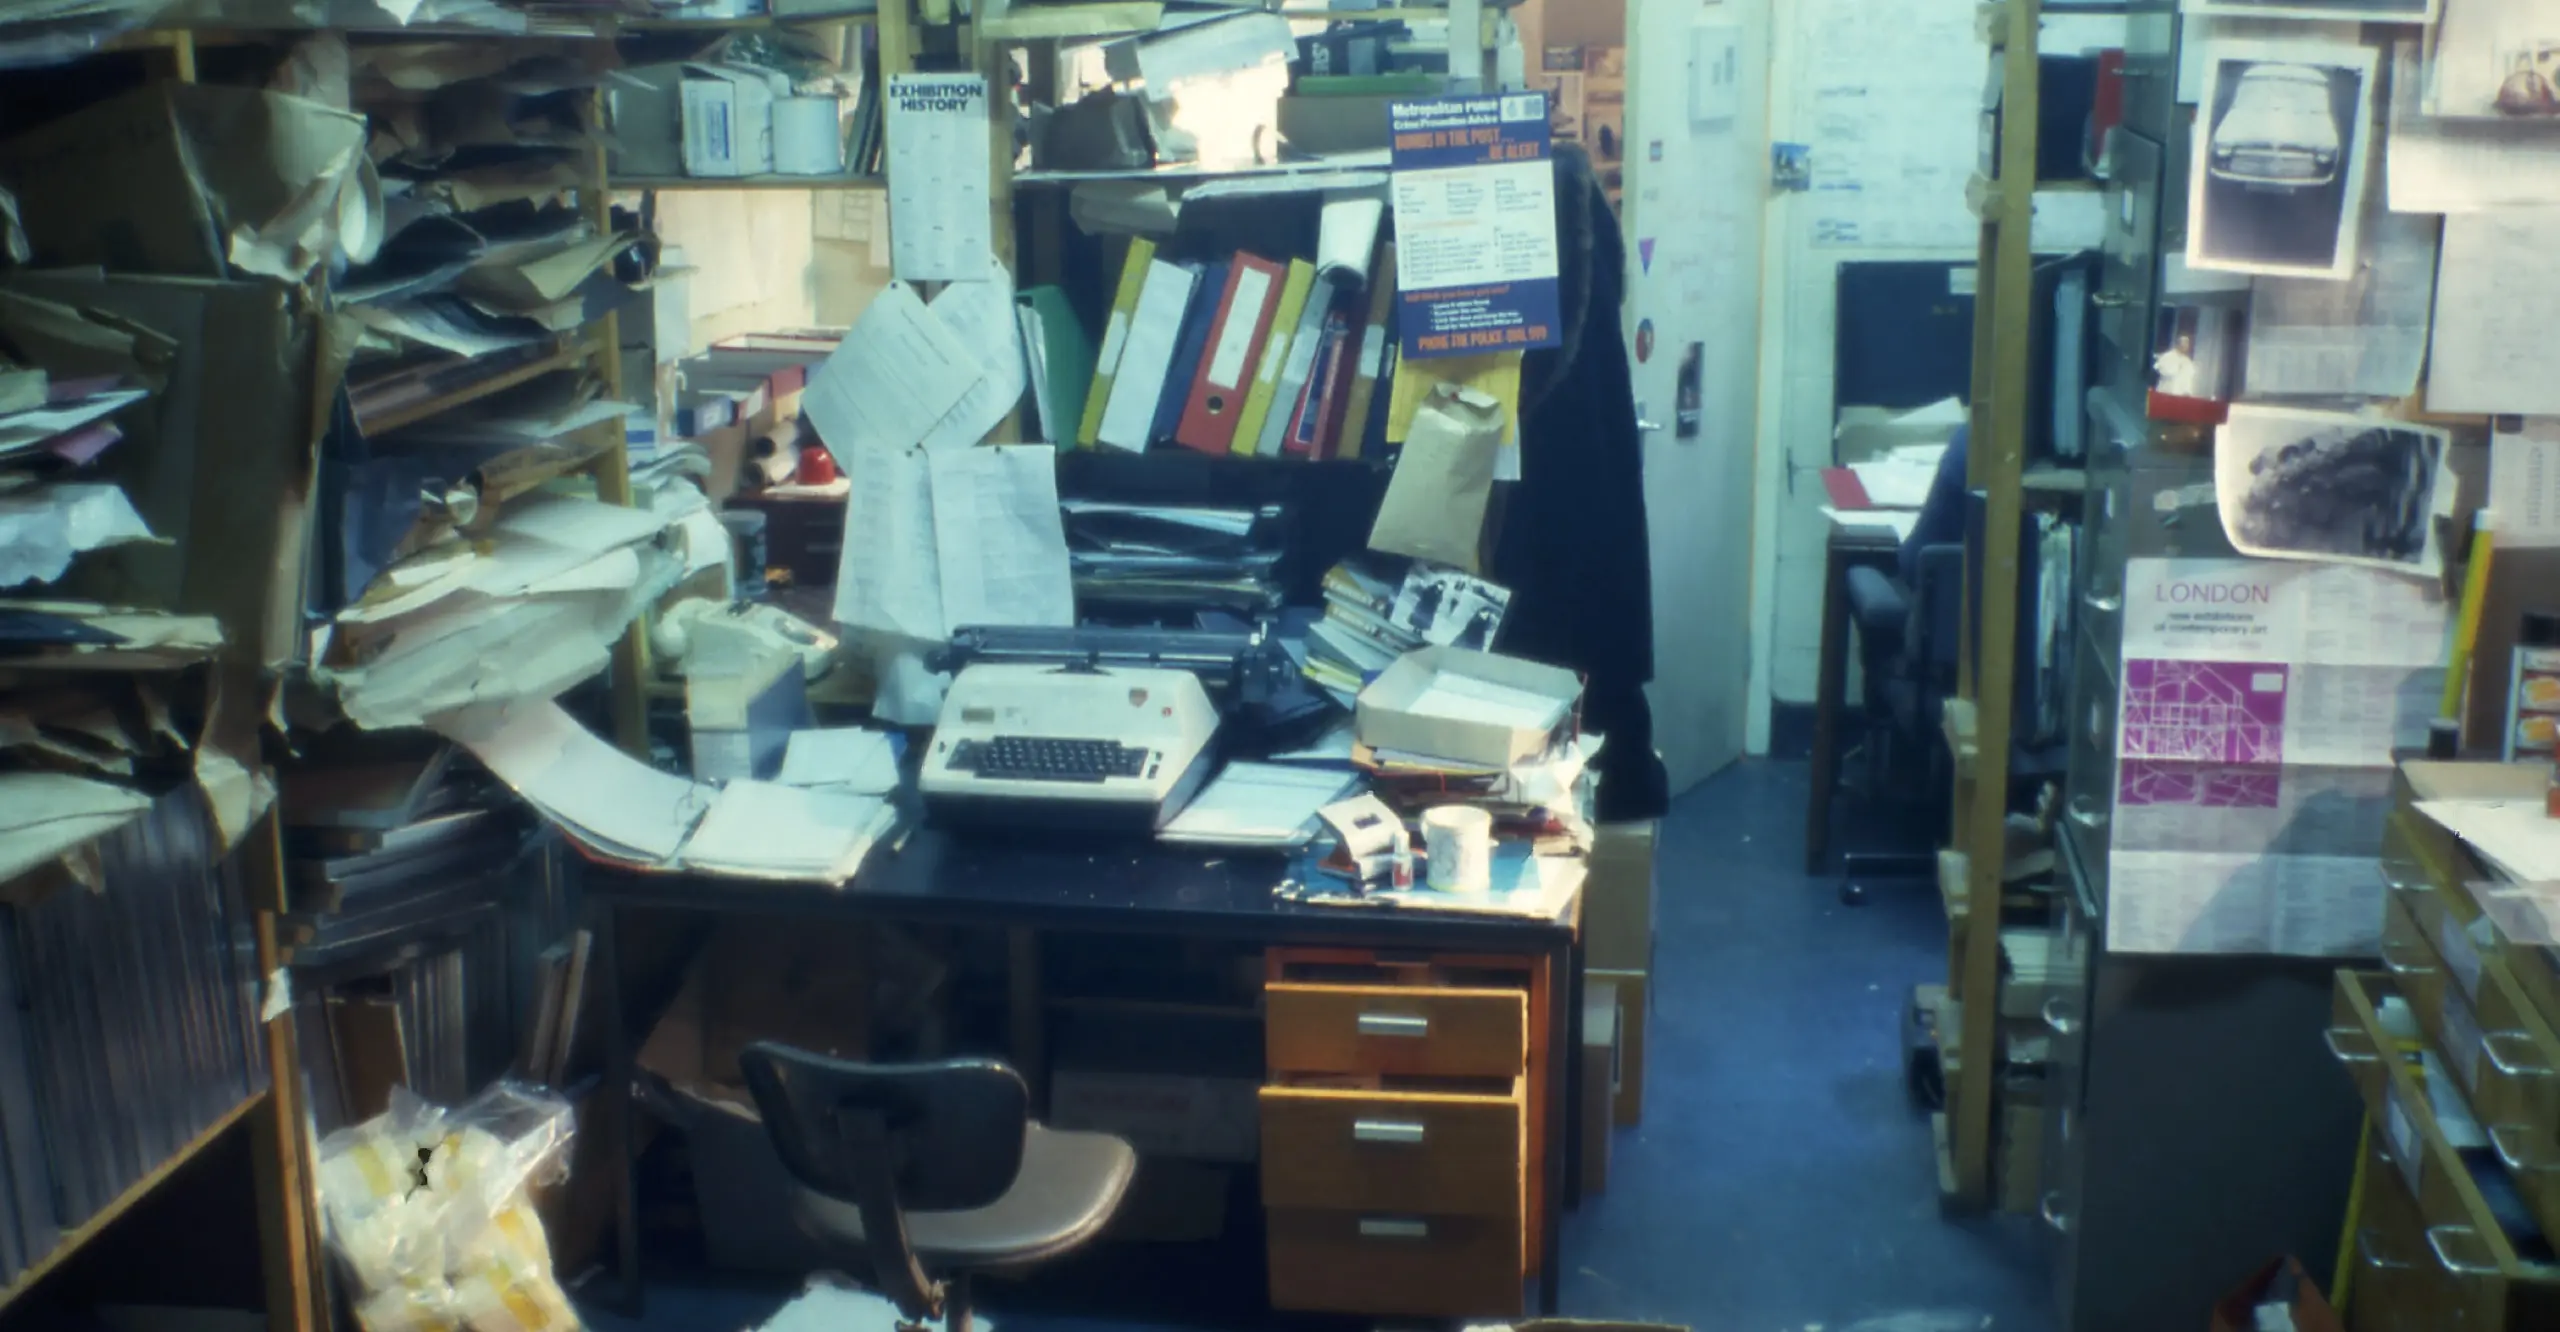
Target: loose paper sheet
{"type": "Point", "coordinates": [940, 161]}
{"type": "Point", "coordinates": [1894, 103]}
{"type": "Point", "coordinates": [2493, 59]}
{"type": "Point", "coordinates": [2495, 342]}
{"type": "Point", "coordinates": [2518, 838]}
{"type": "Point", "coordinates": [2297, 485]}
{"type": "Point", "coordinates": [846, 758]}
{"type": "Point", "coordinates": [595, 792]}
{"type": "Point", "coordinates": [1003, 544]}
{"type": "Point", "coordinates": [41, 529]}
{"type": "Point", "coordinates": [1258, 804]}
{"type": "Point", "coordinates": [2524, 483]}
{"type": "Point", "coordinates": [2257, 713]}
{"type": "Point", "coordinates": [889, 576]}
{"type": "Point", "coordinates": [2364, 337]}
{"type": "Point", "coordinates": [981, 315]}
{"type": "Point", "coordinates": [894, 378]}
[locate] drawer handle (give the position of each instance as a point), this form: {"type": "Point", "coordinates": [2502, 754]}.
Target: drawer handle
{"type": "Point", "coordinates": [2083, 809]}
{"type": "Point", "coordinates": [2110, 300]}
{"type": "Point", "coordinates": [2055, 1018]}
{"type": "Point", "coordinates": [2492, 1044]}
{"type": "Point", "coordinates": [1403, 1025]}
{"type": "Point", "coordinates": [2439, 1238]}
{"type": "Point", "coordinates": [2502, 1138]}
{"type": "Point", "coordinates": [2371, 1253]}
{"type": "Point", "coordinates": [2399, 968]}
{"type": "Point", "coordinates": [1395, 1228]}
{"type": "Point", "coordinates": [1402, 1132]}
{"type": "Point", "coordinates": [2104, 604]}
{"type": "Point", "coordinates": [2337, 1037]}
{"type": "Point", "coordinates": [2050, 1208]}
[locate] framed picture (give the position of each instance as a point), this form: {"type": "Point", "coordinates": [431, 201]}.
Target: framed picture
{"type": "Point", "coordinates": [2306, 485]}
{"type": "Point", "coordinates": [2350, 11]}
{"type": "Point", "coordinates": [2281, 158]}
{"type": "Point", "coordinates": [1561, 59]}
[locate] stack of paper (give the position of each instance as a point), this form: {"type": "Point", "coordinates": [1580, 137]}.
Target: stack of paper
{"type": "Point", "coordinates": [622, 811]}
{"type": "Point", "coordinates": [523, 613]}
{"type": "Point", "coordinates": [58, 412]}
{"type": "Point", "coordinates": [1259, 805]}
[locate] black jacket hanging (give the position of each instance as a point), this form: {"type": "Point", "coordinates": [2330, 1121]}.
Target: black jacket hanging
{"type": "Point", "coordinates": [1572, 543]}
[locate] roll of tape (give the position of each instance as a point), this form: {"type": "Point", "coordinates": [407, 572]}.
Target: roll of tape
{"type": "Point", "coordinates": [1459, 840]}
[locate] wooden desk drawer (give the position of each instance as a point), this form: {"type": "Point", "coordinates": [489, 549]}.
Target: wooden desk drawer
{"type": "Point", "coordinates": [1385, 1151]}
{"type": "Point", "coordinates": [2489, 1287]}
{"type": "Point", "coordinates": [2399, 1287]}
{"type": "Point", "coordinates": [1409, 1030]}
{"type": "Point", "coordinates": [1416, 1266]}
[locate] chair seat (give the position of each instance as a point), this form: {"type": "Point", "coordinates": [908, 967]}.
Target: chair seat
{"type": "Point", "coordinates": [1069, 1185]}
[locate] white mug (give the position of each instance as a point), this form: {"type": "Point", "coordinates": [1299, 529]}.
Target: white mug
{"type": "Point", "coordinates": [1459, 840]}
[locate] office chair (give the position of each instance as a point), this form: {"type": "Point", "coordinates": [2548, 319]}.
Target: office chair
{"type": "Point", "coordinates": [931, 1170]}
{"type": "Point", "coordinates": [1908, 644]}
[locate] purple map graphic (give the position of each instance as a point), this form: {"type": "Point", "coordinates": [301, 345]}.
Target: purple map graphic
{"type": "Point", "coordinates": [2207, 733]}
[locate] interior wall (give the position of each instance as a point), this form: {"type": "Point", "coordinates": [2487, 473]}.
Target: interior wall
{"type": "Point", "coordinates": [1887, 97]}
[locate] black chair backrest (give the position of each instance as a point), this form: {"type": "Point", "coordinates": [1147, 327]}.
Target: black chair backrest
{"type": "Point", "coordinates": [952, 1131]}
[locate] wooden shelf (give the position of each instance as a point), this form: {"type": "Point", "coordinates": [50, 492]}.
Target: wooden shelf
{"type": "Point", "coordinates": [569, 353]}
{"type": "Point", "coordinates": [767, 182]}
{"type": "Point", "coordinates": [73, 1239]}
{"type": "Point", "coordinates": [1349, 162]}
{"type": "Point", "coordinates": [748, 24]}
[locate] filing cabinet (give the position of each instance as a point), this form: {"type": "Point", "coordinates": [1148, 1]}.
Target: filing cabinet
{"type": "Point", "coordinates": [2195, 1124]}
{"type": "Point", "coordinates": [1402, 1133]}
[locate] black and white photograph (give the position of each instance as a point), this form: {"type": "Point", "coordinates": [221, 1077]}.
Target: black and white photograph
{"type": "Point", "coordinates": [2348, 11]}
{"type": "Point", "coordinates": [2305, 485]}
{"type": "Point", "coordinates": [2280, 159]}
{"type": "Point", "coordinates": [1449, 609]}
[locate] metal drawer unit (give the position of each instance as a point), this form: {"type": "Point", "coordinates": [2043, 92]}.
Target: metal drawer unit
{"type": "Point", "coordinates": [2160, 1193]}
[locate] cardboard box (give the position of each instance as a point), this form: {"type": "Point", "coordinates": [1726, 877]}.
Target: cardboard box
{"type": "Point", "coordinates": [1618, 898]}
{"type": "Point", "coordinates": [1635, 999]}
{"type": "Point", "coordinates": [1599, 1088]}
{"type": "Point", "coordinates": [1163, 1115]}
{"type": "Point", "coordinates": [161, 179]}
{"type": "Point", "coordinates": [755, 980]}
{"type": "Point", "coordinates": [1324, 126]}
{"type": "Point", "coordinates": [728, 119]}
{"type": "Point", "coordinates": [693, 118]}
{"type": "Point", "coordinates": [2281, 1282]}
{"type": "Point", "coordinates": [219, 463]}
{"type": "Point", "coordinates": [1404, 708]}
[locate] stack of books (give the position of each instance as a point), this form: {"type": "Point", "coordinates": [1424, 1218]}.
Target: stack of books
{"type": "Point", "coordinates": [1358, 636]}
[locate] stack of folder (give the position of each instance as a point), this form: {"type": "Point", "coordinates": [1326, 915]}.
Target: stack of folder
{"type": "Point", "coordinates": [1243, 355]}
{"type": "Point", "coordinates": [130, 1025]}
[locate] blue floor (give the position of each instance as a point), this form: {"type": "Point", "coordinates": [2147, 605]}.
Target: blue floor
{"type": "Point", "coordinates": [1781, 1181]}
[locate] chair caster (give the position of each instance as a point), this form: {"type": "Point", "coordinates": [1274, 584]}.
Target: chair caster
{"type": "Point", "coordinates": [1853, 894]}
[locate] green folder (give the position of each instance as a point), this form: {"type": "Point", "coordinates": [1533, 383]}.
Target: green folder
{"type": "Point", "coordinates": [1061, 358]}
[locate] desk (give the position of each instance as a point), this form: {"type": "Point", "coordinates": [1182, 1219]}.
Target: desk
{"type": "Point", "coordinates": [1848, 546]}
{"type": "Point", "coordinates": [1132, 889]}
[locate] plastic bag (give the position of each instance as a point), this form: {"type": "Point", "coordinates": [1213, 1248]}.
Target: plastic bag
{"type": "Point", "coordinates": [429, 1210]}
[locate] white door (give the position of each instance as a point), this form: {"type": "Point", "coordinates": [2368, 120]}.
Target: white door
{"type": "Point", "coordinates": [1697, 165]}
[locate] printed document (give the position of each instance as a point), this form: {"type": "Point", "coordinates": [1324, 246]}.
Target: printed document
{"type": "Point", "coordinates": [1002, 543]}
{"type": "Point", "coordinates": [2258, 708]}
{"type": "Point", "coordinates": [940, 158]}
{"type": "Point", "coordinates": [894, 378]}
{"type": "Point", "coordinates": [981, 315]}
{"type": "Point", "coordinates": [2524, 483]}
{"type": "Point", "coordinates": [2364, 337]}
{"type": "Point", "coordinates": [889, 576]}
{"type": "Point", "coordinates": [2494, 345]}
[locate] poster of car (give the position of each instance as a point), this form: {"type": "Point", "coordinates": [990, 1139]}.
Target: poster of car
{"type": "Point", "coordinates": [2308, 485]}
{"type": "Point", "coordinates": [2281, 159]}
{"type": "Point", "coordinates": [2350, 11]}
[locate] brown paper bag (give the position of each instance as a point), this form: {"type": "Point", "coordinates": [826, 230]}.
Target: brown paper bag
{"type": "Point", "coordinates": [1434, 509]}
